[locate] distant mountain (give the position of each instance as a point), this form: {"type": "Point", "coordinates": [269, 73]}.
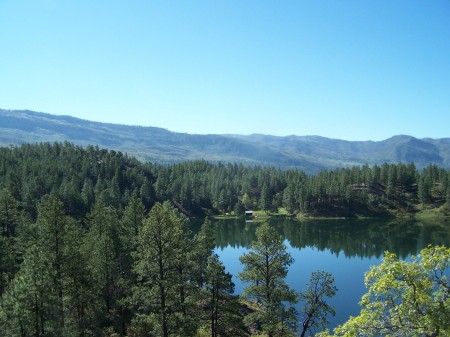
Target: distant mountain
{"type": "Point", "coordinates": [310, 153]}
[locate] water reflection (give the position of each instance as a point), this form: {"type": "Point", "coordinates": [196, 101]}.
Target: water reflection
{"type": "Point", "coordinates": [352, 238]}
{"type": "Point", "coordinates": [345, 248]}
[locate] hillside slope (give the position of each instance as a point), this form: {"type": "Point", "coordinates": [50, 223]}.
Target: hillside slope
{"type": "Point", "coordinates": [310, 153]}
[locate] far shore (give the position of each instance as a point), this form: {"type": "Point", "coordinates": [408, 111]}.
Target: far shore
{"type": "Point", "coordinates": [428, 214]}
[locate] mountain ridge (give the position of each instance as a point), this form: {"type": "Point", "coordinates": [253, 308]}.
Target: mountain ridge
{"type": "Point", "coordinates": [310, 153]}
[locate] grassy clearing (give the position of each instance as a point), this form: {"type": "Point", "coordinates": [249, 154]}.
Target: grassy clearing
{"type": "Point", "coordinates": [430, 213]}
{"type": "Point", "coordinates": [421, 213]}
{"type": "Point", "coordinates": [226, 216]}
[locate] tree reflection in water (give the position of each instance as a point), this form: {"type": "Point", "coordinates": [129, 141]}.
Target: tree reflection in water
{"type": "Point", "coordinates": [354, 238]}
{"type": "Point", "coordinates": [345, 248]}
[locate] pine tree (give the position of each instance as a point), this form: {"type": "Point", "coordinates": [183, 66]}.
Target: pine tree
{"type": "Point", "coordinates": [247, 201]}
{"type": "Point", "coordinates": [289, 199]}
{"type": "Point", "coordinates": [8, 214]}
{"type": "Point", "coordinates": [81, 301]}
{"type": "Point", "coordinates": [131, 224]}
{"type": "Point", "coordinates": [265, 268]}
{"type": "Point", "coordinates": [163, 294]}
{"type": "Point", "coordinates": [52, 226]}
{"type": "Point", "coordinates": [203, 249]}
{"type": "Point", "coordinates": [133, 216]}
{"type": "Point", "coordinates": [265, 200]}
{"type": "Point", "coordinates": [9, 219]}
{"type": "Point", "coordinates": [224, 316]}
{"type": "Point", "coordinates": [315, 311]}
{"type": "Point", "coordinates": [424, 188]}
{"type": "Point", "coordinates": [29, 306]}
{"type": "Point", "coordinates": [59, 241]}
{"type": "Point", "coordinates": [103, 246]}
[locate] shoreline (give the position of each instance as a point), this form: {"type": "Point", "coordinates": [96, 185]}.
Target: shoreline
{"type": "Point", "coordinates": [421, 215]}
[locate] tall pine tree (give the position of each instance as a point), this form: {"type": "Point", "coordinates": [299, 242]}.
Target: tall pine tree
{"type": "Point", "coordinates": [162, 296]}
{"type": "Point", "coordinates": [265, 268]}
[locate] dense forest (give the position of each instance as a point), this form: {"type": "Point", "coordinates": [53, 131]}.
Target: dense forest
{"type": "Point", "coordinates": [96, 243]}
{"type": "Point", "coordinates": [80, 177]}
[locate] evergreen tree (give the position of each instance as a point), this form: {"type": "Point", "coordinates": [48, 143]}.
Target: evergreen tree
{"type": "Point", "coordinates": [224, 316]}
{"type": "Point", "coordinates": [424, 188]}
{"type": "Point", "coordinates": [52, 228]}
{"type": "Point", "coordinates": [147, 193]}
{"type": "Point", "coordinates": [315, 311]}
{"type": "Point", "coordinates": [265, 200]}
{"type": "Point", "coordinates": [87, 194]}
{"type": "Point", "coordinates": [81, 301]}
{"type": "Point", "coordinates": [246, 200]}
{"type": "Point", "coordinates": [447, 193]}
{"type": "Point", "coordinates": [9, 218]}
{"type": "Point", "coordinates": [133, 217]}
{"type": "Point", "coordinates": [68, 284]}
{"type": "Point", "coordinates": [265, 268]}
{"type": "Point", "coordinates": [289, 199]}
{"type": "Point", "coordinates": [239, 208]}
{"type": "Point", "coordinates": [8, 261]}
{"type": "Point", "coordinates": [203, 249]}
{"type": "Point", "coordinates": [104, 248]}
{"type": "Point", "coordinates": [162, 295]}
{"type": "Point", "coordinates": [29, 306]}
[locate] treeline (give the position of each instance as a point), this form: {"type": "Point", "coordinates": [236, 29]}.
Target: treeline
{"type": "Point", "coordinates": [141, 275]}
{"type": "Point", "coordinates": [114, 275]}
{"type": "Point", "coordinates": [82, 176]}
{"type": "Point", "coordinates": [95, 243]}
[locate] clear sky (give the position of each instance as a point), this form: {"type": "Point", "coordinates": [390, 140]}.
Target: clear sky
{"type": "Point", "coordinates": [355, 70]}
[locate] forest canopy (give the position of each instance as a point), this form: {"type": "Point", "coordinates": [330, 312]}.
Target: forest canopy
{"type": "Point", "coordinates": [80, 177]}
{"type": "Point", "coordinates": [96, 243]}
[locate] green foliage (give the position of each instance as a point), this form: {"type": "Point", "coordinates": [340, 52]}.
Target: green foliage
{"type": "Point", "coordinates": [314, 312]}
{"type": "Point", "coordinates": [28, 308]}
{"type": "Point", "coordinates": [203, 249]}
{"type": "Point", "coordinates": [265, 201]}
{"type": "Point", "coordinates": [405, 298]}
{"type": "Point", "coordinates": [289, 201]}
{"type": "Point", "coordinates": [80, 177]}
{"type": "Point", "coordinates": [49, 296]}
{"type": "Point", "coordinates": [9, 220]}
{"type": "Point", "coordinates": [132, 221]}
{"type": "Point", "coordinates": [265, 268]}
{"type": "Point", "coordinates": [79, 258]}
{"type": "Point", "coordinates": [224, 317]}
{"type": "Point", "coordinates": [162, 295]}
{"type": "Point", "coordinates": [104, 246]}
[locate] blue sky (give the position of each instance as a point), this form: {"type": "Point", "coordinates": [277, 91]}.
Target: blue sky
{"type": "Point", "coordinates": [355, 70]}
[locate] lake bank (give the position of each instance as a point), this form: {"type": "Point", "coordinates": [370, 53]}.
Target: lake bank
{"type": "Point", "coordinates": [424, 214]}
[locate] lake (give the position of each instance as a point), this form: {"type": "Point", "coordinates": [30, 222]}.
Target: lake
{"type": "Point", "coordinates": [345, 248]}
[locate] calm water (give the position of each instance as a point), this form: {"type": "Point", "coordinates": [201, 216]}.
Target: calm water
{"type": "Point", "coordinates": [346, 248]}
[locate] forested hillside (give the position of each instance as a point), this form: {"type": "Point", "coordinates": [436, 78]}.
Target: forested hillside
{"type": "Point", "coordinates": [81, 177]}
{"type": "Point", "coordinates": [96, 243]}
{"type": "Point", "coordinates": [308, 153]}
